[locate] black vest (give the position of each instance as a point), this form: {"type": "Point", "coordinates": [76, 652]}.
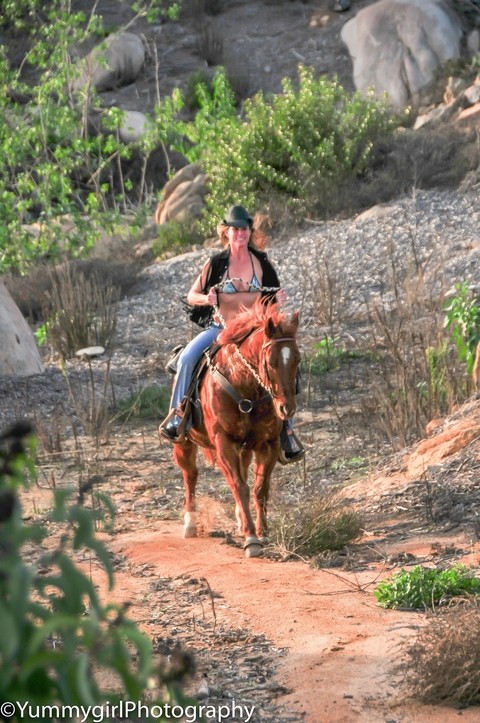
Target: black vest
{"type": "Point", "coordinates": [219, 265]}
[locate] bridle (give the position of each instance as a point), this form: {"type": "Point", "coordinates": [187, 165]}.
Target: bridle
{"type": "Point", "coordinates": [247, 405]}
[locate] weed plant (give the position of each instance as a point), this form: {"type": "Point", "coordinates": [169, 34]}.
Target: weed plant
{"type": "Point", "coordinates": [82, 312]}
{"type": "Point", "coordinates": [151, 402]}
{"type": "Point", "coordinates": [462, 318]}
{"type": "Point", "coordinates": [176, 236]}
{"type": "Point", "coordinates": [425, 588]}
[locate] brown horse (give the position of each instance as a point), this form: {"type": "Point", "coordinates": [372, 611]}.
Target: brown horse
{"type": "Point", "coordinates": [247, 392]}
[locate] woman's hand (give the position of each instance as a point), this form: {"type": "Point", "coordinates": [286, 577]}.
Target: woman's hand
{"type": "Point", "coordinates": [281, 296]}
{"type": "Point", "coordinates": [211, 297]}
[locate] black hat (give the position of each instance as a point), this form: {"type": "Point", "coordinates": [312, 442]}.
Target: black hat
{"type": "Point", "coordinates": [238, 217]}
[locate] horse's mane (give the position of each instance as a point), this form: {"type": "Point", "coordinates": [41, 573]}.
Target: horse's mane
{"type": "Point", "coordinates": [251, 319]}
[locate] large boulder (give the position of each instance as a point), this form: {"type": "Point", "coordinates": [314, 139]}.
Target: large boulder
{"type": "Point", "coordinates": [183, 195]}
{"type": "Point", "coordinates": [396, 45]}
{"type": "Point", "coordinates": [115, 62]}
{"type": "Point", "coordinates": [19, 355]}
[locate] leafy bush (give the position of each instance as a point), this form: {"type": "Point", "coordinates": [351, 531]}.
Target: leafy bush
{"type": "Point", "coordinates": [327, 355]}
{"type": "Point", "coordinates": [462, 317]}
{"type": "Point", "coordinates": [300, 144]}
{"type": "Point", "coordinates": [424, 587]}
{"type": "Point", "coordinates": [217, 111]}
{"type": "Point", "coordinates": [56, 637]}
{"type": "Point", "coordinates": [176, 236]}
{"type": "Point", "coordinates": [55, 170]}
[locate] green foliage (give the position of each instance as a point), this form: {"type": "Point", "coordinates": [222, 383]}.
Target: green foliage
{"type": "Point", "coordinates": [354, 463]}
{"type": "Point", "coordinates": [199, 77]}
{"type": "Point", "coordinates": [216, 112]}
{"type": "Point", "coordinates": [176, 235]}
{"type": "Point", "coordinates": [424, 587]}
{"type": "Point", "coordinates": [57, 638]}
{"type": "Point", "coordinates": [327, 356]}
{"type": "Point", "coordinates": [151, 402]}
{"type": "Point", "coordinates": [53, 170]}
{"type": "Point", "coordinates": [462, 317]}
{"type": "Point", "coordinates": [437, 363]}
{"type": "Point", "coordinates": [298, 145]}
{"type": "Point", "coordinates": [295, 147]}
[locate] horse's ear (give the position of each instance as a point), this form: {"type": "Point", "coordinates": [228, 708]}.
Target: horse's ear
{"type": "Point", "coordinates": [270, 329]}
{"type": "Point", "coordinates": [295, 319]}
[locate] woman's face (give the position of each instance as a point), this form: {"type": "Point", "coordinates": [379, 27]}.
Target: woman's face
{"type": "Point", "coordinates": [238, 236]}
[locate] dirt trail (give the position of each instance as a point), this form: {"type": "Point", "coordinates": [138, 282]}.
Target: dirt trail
{"type": "Point", "coordinates": [340, 644]}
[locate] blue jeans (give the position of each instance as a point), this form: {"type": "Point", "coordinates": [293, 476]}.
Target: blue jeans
{"type": "Point", "coordinates": [188, 360]}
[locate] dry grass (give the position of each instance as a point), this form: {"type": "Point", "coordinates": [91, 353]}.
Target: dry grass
{"type": "Point", "coordinates": [33, 293]}
{"type": "Point", "coordinates": [326, 524]}
{"type": "Point", "coordinates": [443, 664]}
{"type": "Point", "coordinates": [83, 312]}
{"type": "Point", "coordinates": [427, 158]}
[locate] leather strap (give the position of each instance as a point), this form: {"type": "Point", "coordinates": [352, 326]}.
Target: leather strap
{"type": "Point", "coordinates": [244, 405]}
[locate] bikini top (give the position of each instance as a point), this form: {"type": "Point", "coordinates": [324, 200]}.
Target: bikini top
{"type": "Point", "coordinates": [228, 287]}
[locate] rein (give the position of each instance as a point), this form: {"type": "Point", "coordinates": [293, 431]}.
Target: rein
{"type": "Point", "coordinates": [245, 405]}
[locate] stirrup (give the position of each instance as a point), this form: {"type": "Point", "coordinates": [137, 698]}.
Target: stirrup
{"type": "Point", "coordinates": [291, 449]}
{"type": "Point", "coordinates": [180, 436]}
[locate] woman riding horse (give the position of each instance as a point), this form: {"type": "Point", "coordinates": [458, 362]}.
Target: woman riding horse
{"type": "Point", "coordinates": [229, 282]}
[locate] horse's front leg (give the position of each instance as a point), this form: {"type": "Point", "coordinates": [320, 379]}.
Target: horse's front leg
{"type": "Point", "coordinates": [185, 456]}
{"type": "Point", "coordinates": [233, 461]}
{"type": "Point", "coordinates": [265, 460]}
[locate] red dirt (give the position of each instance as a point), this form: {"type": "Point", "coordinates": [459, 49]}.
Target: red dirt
{"type": "Point", "coordinates": [341, 647]}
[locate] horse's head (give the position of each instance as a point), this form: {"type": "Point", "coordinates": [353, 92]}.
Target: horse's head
{"type": "Point", "coordinates": [279, 362]}
{"type": "Point", "coordinates": [271, 347]}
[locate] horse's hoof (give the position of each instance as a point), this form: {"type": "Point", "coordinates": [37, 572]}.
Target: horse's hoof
{"type": "Point", "coordinates": [253, 547]}
{"type": "Point", "coordinates": [189, 525]}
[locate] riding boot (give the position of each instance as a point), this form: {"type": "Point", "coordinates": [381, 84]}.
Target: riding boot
{"type": "Point", "coordinates": [291, 449]}
{"type": "Point", "coordinates": [173, 426]}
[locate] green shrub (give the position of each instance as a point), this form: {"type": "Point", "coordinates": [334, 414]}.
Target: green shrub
{"type": "Point", "coordinates": [462, 317]}
{"type": "Point", "coordinates": [53, 170]}
{"type": "Point", "coordinates": [57, 639]}
{"type": "Point", "coordinates": [197, 78]}
{"type": "Point", "coordinates": [300, 144]}
{"type": "Point", "coordinates": [216, 101]}
{"type": "Point", "coordinates": [151, 402]}
{"type": "Point", "coordinates": [327, 355]}
{"type": "Point", "coordinates": [177, 236]}
{"type": "Point", "coordinates": [424, 587]}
